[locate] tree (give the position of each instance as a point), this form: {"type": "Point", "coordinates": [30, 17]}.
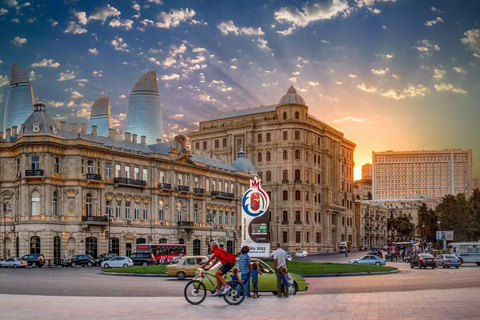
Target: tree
{"type": "Point", "coordinates": [401, 226]}
{"type": "Point", "coordinates": [427, 224]}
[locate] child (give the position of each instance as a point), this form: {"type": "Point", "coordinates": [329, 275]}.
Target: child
{"type": "Point", "coordinates": [255, 272]}
{"type": "Point", "coordinates": [234, 277]}
{"type": "Point", "coordinates": [285, 281]}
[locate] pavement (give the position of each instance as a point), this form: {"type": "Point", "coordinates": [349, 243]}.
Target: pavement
{"type": "Point", "coordinates": [422, 304]}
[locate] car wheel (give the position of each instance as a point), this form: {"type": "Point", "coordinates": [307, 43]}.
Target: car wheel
{"type": "Point", "coordinates": [125, 265]}
{"type": "Point", "coordinates": [181, 275]}
{"type": "Point", "coordinates": [89, 264]}
{"type": "Point", "coordinates": [443, 265]}
{"type": "Point", "coordinates": [355, 262]}
{"type": "Point", "coordinates": [15, 266]}
{"type": "Point", "coordinates": [456, 267]}
{"type": "Point", "coordinates": [433, 267]}
{"type": "Point", "coordinates": [411, 265]}
{"type": "Point", "coordinates": [106, 266]}
{"type": "Point", "coordinates": [144, 264]}
{"type": "Point", "coordinates": [377, 263]}
{"type": "Point", "coordinates": [448, 267]}
{"type": "Point", "coordinates": [73, 264]}
{"type": "Point", "coordinates": [34, 264]}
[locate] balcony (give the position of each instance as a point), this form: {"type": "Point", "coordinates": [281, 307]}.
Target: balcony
{"type": "Point", "coordinates": [221, 194]}
{"type": "Point", "coordinates": [284, 181]}
{"type": "Point", "coordinates": [199, 191]}
{"type": "Point", "coordinates": [93, 176]}
{"type": "Point", "coordinates": [182, 188]}
{"type": "Point", "coordinates": [297, 222]}
{"type": "Point", "coordinates": [95, 220]}
{"type": "Point", "coordinates": [34, 173]}
{"type": "Point", "coordinates": [297, 181]}
{"type": "Point", "coordinates": [130, 182]}
{"type": "Point", "coordinates": [186, 224]}
{"type": "Point", "coordinates": [166, 186]}
{"type": "Point", "coordinates": [285, 222]}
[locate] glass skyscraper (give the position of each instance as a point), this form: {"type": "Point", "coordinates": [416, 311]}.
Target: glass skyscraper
{"type": "Point", "coordinates": [100, 116]}
{"type": "Point", "coordinates": [19, 105]}
{"type": "Point", "coordinates": [144, 112]}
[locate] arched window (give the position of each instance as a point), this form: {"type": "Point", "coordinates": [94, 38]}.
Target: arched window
{"type": "Point", "coordinates": [141, 240]}
{"type": "Point", "coordinates": [179, 211]}
{"type": "Point", "coordinates": [89, 205]}
{"type": "Point", "coordinates": [55, 203]}
{"type": "Point", "coordinates": [259, 157]}
{"type": "Point", "coordinates": [230, 246]}
{"type": "Point", "coordinates": [181, 241]}
{"type": "Point", "coordinates": [160, 211]}
{"type": "Point", "coordinates": [284, 115]}
{"type": "Point", "coordinates": [196, 247]}
{"type": "Point", "coordinates": [35, 203]}
{"type": "Point", "coordinates": [297, 115]}
{"type": "Point", "coordinates": [91, 246]}
{"type": "Point", "coordinates": [269, 156]}
{"type": "Point", "coordinates": [163, 240]}
{"type": "Point", "coordinates": [297, 154]}
{"type": "Point", "coordinates": [35, 245]}
{"type": "Point", "coordinates": [285, 155]}
{"type": "Point", "coordinates": [195, 213]}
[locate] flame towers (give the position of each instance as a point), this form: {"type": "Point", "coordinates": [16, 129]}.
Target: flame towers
{"type": "Point", "coordinates": [100, 116]}
{"type": "Point", "coordinates": [19, 105]}
{"type": "Point", "coordinates": [144, 112]}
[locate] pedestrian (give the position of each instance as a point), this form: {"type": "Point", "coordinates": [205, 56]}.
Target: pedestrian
{"type": "Point", "coordinates": [255, 272]}
{"type": "Point", "coordinates": [279, 261]}
{"type": "Point", "coordinates": [346, 253]}
{"type": "Point", "coordinates": [245, 267]}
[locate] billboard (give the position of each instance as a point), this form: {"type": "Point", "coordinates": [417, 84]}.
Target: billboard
{"type": "Point", "coordinates": [255, 230]}
{"type": "Point", "coordinates": [445, 235]}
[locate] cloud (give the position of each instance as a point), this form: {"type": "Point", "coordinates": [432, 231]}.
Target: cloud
{"type": "Point", "coordinates": [3, 11]}
{"type": "Point", "coordinates": [179, 50]}
{"type": "Point", "coordinates": [125, 24]}
{"type": "Point", "coordinates": [379, 71]}
{"type": "Point", "coordinates": [174, 18]}
{"type": "Point", "coordinates": [53, 22]}
{"type": "Point", "coordinates": [119, 44]}
{"type": "Point", "coordinates": [353, 76]}
{"type": "Point", "coordinates": [18, 42]}
{"type": "Point", "coordinates": [74, 28]}
{"type": "Point", "coordinates": [263, 44]}
{"type": "Point", "coordinates": [460, 70]}
{"type": "Point", "coordinates": [83, 113]}
{"type": "Point", "coordinates": [55, 104]}
{"type": "Point", "coordinates": [169, 61]}
{"type": "Point", "coordinates": [411, 91]}
{"type": "Point", "coordinates": [10, 3]}
{"type": "Point", "coordinates": [313, 83]}
{"type": "Point", "coordinates": [433, 22]}
{"type": "Point", "coordinates": [76, 95]}
{"type": "Point", "coordinates": [177, 116]}
{"type": "Point", "coordinates": [156, 1]}
{"type": "Point", "coordinates": [81, 17]}
{"type": "Point", "coordinates": [103, 13]}
{"type": "Point", "coordinates": [59, 117]}
{"type": "Point", "coordinates": [227, 27]}
{"type": "Point", "coordinates": [384, 56]}
{"type": "Point", "coordinates": [350, 118]}
{"type": "Point", "coordinates": [172, 76]}
{"type": "Point", "coordinates": [367, 87]}
{"type": "Point", "coordinates": [205, 98]}
{"type": "Point", "coordinates": [472, 40]}
{"type": "Point", "coordinates": [199, 50]}
{"type": "Point", "coordinates": [449, 87]}
{"type": "Point", "coordinates": [287, 31]}
{"type": "Point", "coordinates": [394, 94]}
{"type": "Point", "coordinates": [67, 75]}
{"type": "Point", "coordinates": [438, 73]}
{"type": "Point", "coordinates": [97, 73]}
{"type": "Point", "coordinates": [425, 46]}
{"type": "Point", "coordinates": [46, 63]}
{"type": "Point", "coordinates": [15, 20]}
{"type": "Point", "coordinates": [93, 51]}
{"type": "Point", "coordinates": [436, 10]}
{"type": "Point", "coordinates": [312, 12]}
{"type": "Point", "coordinates": [3, 81]}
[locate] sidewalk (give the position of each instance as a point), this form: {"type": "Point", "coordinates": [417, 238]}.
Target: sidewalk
{"type": "Point", "coordinates": [425, 304]}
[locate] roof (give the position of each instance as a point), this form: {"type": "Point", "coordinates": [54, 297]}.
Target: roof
{"type": "Point", "coordinates": [291, 97]}
{"type": "Point", "coordinates": [39, 123]}
{"type": "Point", "coordinates": [147, 83]}
{"type": "Point", "coordinates": [244, 112]}
{"type": "Point", "coordinates": [18, 75]}
{"type": "Point", "coordinates": [101, 107]}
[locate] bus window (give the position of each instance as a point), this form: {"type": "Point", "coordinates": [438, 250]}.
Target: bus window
{"type": "Point", "coordinates": [472, 249]}
{"type": "Point", "coordinates": [463, 249]}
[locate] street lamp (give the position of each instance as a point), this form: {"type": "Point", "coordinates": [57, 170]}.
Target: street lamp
{"type": "Point", "coordinates": [209, 221]}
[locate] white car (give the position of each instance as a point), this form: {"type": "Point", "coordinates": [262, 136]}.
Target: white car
{"type": "Point", "coordinates": [289, 257]}
{"type": "Point", "coordinates": [13, 263]}
{"type": "Point", "coordinates": [371, 260]}
{"type": "Point", "coordinates": [301, 254]}
{"type": "Point", "coordinates": [117, 262]}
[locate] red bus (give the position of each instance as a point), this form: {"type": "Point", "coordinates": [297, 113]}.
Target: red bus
{"type": "Point", "coordinates": [163, 252]}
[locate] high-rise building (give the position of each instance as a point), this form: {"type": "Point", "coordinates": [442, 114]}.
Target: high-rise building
{"type": "Point", "coordinates": [367, 171]}
{"type": "Point", "coordinates": [421, 174]}
{"type": "Point", "coordinates": [306, 167]}
{"type": "Point", "coordinates": [100, 116]}
{"type": "Point", "coordinates": [19, 105]}
{"type": "Point", "coordinates": [144, 112]}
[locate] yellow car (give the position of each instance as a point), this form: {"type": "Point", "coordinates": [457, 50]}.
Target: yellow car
{"type": "Point", "coordinates": [186, 267]}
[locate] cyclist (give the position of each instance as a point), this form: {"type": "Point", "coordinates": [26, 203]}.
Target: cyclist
{"type": "Point", "coordinates": [227, 260]}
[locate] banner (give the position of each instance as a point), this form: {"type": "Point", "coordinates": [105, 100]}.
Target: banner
{"type": "Point", "coordinates": [255, 230]}
{"type": "Point", "coordinates": [445, 235]}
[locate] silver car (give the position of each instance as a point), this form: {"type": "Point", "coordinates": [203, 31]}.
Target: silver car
{"type": "Point", "coordinates": [448, 260]}
{"type": "Point", "coordinates": [13, 263]}
{"type": "Point", "coordinates": [372, 260]}
{"type": "Point", "coordinates": [117, 262]}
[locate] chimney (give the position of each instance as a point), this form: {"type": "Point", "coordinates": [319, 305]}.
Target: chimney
{"type": "Point", "coordinates": [159, 140]}
{"type": "Point", "coordinates": [143, 139]}
{"type": "Point", "coordinates": [73, 127]}
{"type": "Point", "coordinates": [84, 127]}
{"type": "Point", "coordinates": [134, 138]}
{"type": "Point", "coordinates": [1, 136]}
{"type": "Point", "coordinates": [63, 124]}
{"type": "Point", "coordinates": [111, 133]}
{"type": "Point", "coordinates": [14, 131]}
{"type": "Point", "coordinates": [94, 130]}
{"type": "Point", "coordinates": [8, 134]}
{"type": "Point", "coordinates": [128, 136]}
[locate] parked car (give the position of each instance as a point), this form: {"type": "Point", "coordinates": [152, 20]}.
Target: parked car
{"type": "Point", "coordinates": [301, 254]}
{"type": "Point", "coordinates": [369, 259]}
{"type": "Point", "coordinates": [117, 262]}
{"type": "Point", "coordinates": [175, 259]}
{"type": "Point", "coordinates": [448, 260]}
{"type": "Point", "coordinates": [423, 260]}
{"type": "Point", "coordinates": [80, 260]}
{"type": "Point", "coordinates": [185, 267]}
{"type": "Point", "coordinates": [143, 258]}
{"type": "Point", "coordinates": [267, 282]}
{"type": "Point", "coordinates": [107, 256]}
{"type": "Point", "coordinates": [289, 256]}
{"type": "Point", "coordinates": [34, 259]}
{"type": "Point", "coordinates": [375, 253]}
{"type": "Point", "coordinates": [363, 248]}
{"type": "Point", "coordinates": [13, 263]}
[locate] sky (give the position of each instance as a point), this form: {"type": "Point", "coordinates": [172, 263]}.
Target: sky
{"type": "Point", "coordinates": [390, 74]}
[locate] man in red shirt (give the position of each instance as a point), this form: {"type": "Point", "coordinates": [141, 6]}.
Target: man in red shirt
{"type": "Point", "coordinates": [228, 262]}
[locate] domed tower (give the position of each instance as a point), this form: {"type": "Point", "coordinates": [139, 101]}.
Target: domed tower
{"type": "Point", "coordinates": [243, 164]}
{"type": "Point", "coordinates": [144, 112]}
{"type": "Point", "coordinates": [39, 123]}
{"type": "Point", "coordinates": [20, 100]}
{"type": "Point", "coordinates": [292, 106]}
{"type": "Point", "coordinates": [100, 116]}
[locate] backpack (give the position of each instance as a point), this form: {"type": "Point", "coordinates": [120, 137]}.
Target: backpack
{"type": "Point", "coordinates": [289, 278]}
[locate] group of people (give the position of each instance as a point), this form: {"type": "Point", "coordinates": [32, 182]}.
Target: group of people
{"type": "Point", "coordinates": [248, 269]}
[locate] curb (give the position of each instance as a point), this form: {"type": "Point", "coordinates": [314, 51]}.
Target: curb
{"type": "Point", "coordinates": [159, 275]}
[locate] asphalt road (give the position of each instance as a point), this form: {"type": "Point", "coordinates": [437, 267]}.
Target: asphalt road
{"type": "Point", "coordinates": [83, 281]}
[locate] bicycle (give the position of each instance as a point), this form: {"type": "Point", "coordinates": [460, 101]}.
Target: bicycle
{"type": "Point", "coordinates": [195, 291]}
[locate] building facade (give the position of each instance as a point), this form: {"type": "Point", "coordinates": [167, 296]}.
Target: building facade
{"type": "Point", "coordinates": [363, 189]}
{"type": "Point", "coordinates": [305, 165]}
{"type": "Point", "coordinates": [367, 171]}
{"type": "Point", "coordinates": [427, 174]}
{"type": "Point", "coordinates": [371, 223]}
{"type": "Point", "coordinates": [100, 116]}
{"type": "Point", "coordinates": [68, 192]}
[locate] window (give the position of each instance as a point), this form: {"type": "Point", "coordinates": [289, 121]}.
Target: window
{"type": "Point", "coordinates": [127, 172]}
{"type": "Point", "coordinates": [55, 203]}
{"type": "Point", "coordinates": [298, 236]}
{"type": "Point", "coordinates": [224, 142]}
{"type": "Point", "coordinates": [284, 236]}
{"type": "Point", "coordinates": [232, 221]}
{"type": "Point", "coordinates": [285, 216]}
{"type": "Point", "coordinates": [18, 165]}
{"type": "Point", "coordinates": [145, 213]}
{"type": "Point", "coordinates": [117, 170]}
{"type": "Point", "coordinates": [319, 237]}
{"type": "Point", "coordinates": [162, 177]}
{"type": "Point", "coordinates": [108, 170]}
{"type": "Point", "coordinates": [297, 154]}
{"type": "Point", "coordinates": [179, 211]}
{"type": "Point", "coordinates": [297, 195]}
{"type": "Point", "coordinates": [306, 196]}
{"type": "Point", "coordinates": [297, 216]}
{"type": "Point", "coordinates": [220, 218]}
{"type": "Point", "coordinates": [285, 135]}
{"type": "Point", "coordinates": [127, 210]}
{"type": "Point", "coordinates": [307, 219]}
{"type": "Point", "coordinates": [204, 145]}
{"type": "Point", "coordinates": [259, 157]}
{"type": "Point", "coordinates": [145, 174]}
{"type": "Point", "coordinates": [268, 137]}
{"type": "Point", "coordinates": [269, 156]}
{"type": "Point", "coordinates": [285, 175]}
{"type": "Point", "coordinates": [197, 145]}
{"type": "Point", "coordinates": [195, 214]}
{"type": "Point", "coordinates": [98, 167]}
{"type": "Point", "coordinates": [35, 162]}
{"type": "Point", "coordinates": [89, 205]}
{"type": "Point", "coordinates": [269, 176]}
{"type": "Point", "coordinates": [308, 237]}
{"type": "Point", "coordinates": [297, 174]}
{"type": "Point", "coordinates": [118, 210]}
{"type": "Point", "coordinates": [35, 245]}
{"type": "Point", "coordinates": [160, 211]}
{"type": "Point", "coordinates": [259, 137]}
{"type": "Point", "coordinates": [90, 166]}
{"type": "Point", "coordinates": [297, 115]}
{"type": "Point", "coordinates": [285, 195]}
{"type": "Point", "coordinates": [217, 143]}
{"type": "Point", "coordinates": [136, 212]}
{"type": "Point", "coordinates": [284, 116]}
{"type": "Point", "coordinates": [285, 155]}
{"type": "Point", "coordinates": [297, 135]}
{"type": "Point", "coordinates": [136, 173]}
{"type": "Point", "coordinates": [109, 209]}
{"type": "Point", "coordinates": [83, 166]}
{"type": "Point", "coordinates": [56, 165]}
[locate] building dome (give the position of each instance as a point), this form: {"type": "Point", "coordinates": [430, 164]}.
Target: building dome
{"type": "Point", "coordinates": [39, 123]}
{"type": "Point", "coordinates": [243, 164]}
{"type": "Point", "coordinates": [292, 97]}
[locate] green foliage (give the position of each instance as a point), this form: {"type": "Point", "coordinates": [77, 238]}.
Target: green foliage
{"type": "Point", "coordinates": [402, 225]}
{"type": "Point", "coordinates": [427, 224]}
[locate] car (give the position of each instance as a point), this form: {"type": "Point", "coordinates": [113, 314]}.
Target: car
{"type": "Point", "coordinates": [301, 254]}
{"type": "Point", "coordinates": [375, 253]}
{"type": "Point", "coordinates": [143, 258]}
{"type": "Point", "coordinates": [267, 281]}
{"type": "Point", "coordinates": [185, 267]}
{"type": "Point", "coordinates": [363, 248]}
{"type": "Point", "coordinates": [107, 256]}
{"type": "Point", "coordinates": [13, 263]}
{"type": "Point", "coordinates": [34, 259]}
{"type": "Point", "coordinates": [423, 260]}
{"type": "Point", "coordinates": [175, 259]}
{"type": "Point", "coordinates": [375, 248]}
{"type": "Point", "coordinates": [288, 255]}
{"type": "Point", "coordinates": [117, 262]}
{"type": "Point", "coordinates": [80, 260]}
{"type": "Point", "coordinates": [369, 259]}
{"type": "Point", "coordinates": [448, 260]}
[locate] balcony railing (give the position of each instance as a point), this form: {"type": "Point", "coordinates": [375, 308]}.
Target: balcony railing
{"type": "Point", "coordinates": [221, 194]}
{"type": "Point", "coordinates": [187, 224]}
{"type": "Point", "coordinates": [297, 181]}
{"type": "Point", "coordinates": [285, 222]}
{"type": "Point", "coordinates": [199, 190]}
{"type": "Point", "coordinates": [93, 176]}
{"type": "Point", "coordinates": [95, 219]}
{"type": "Point", "coordinates": [34, 173]}
{"type": "Point", "coordinates": [166, 186]}
{"type": "Point", "coordinates": [182, 188]}
{"type": "Point", "coordinates": [297, 222]}
{"type": "Point", "coordinates": [130, 182]}
{"type": "Point", "coordinates": [284, 181]}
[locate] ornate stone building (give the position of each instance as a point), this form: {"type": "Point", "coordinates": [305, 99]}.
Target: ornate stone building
{"type": "Point", "coordinates": [371, 223]}
{"type": "Point", "coordinates": [68, 192]}
{"type": "Point", "coordinates": [305, 165]}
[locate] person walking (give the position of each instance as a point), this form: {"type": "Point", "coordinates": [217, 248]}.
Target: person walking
{"type": "Point", "coordinates": [245, 267]}
{"type": "Point", "coordinates": [279, 261]}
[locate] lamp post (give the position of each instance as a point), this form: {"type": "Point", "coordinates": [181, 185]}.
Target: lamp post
{"type": "Point", "coordinates": [209, 221]}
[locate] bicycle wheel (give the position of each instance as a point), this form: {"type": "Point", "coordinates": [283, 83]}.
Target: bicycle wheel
{"type": "Point", "coordinates": [195, 292]}
{"type": "Point", "coordinates": [232, 297]}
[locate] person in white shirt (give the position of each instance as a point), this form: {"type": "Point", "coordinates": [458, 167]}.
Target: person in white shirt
{"type": "Point", "coordinates": [279, 261]}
